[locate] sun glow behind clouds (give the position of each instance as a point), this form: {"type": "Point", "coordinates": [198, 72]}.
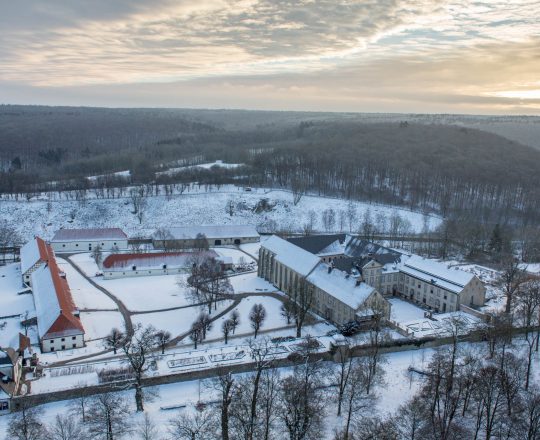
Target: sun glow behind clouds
{"type": "Point", "coordinates": [518, 94]}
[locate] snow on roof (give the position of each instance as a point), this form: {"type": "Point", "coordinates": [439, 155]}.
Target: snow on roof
{"type": "Point", "coordinates": [212, 231]}
{"type": "Point", "coordinates": [32, 252]}
{"type": "Point", "coordinates": [290, 255]}
{"type": "Point", "coordinates": [337, 284]}
{"type": "Point", "coordinates": [89, 234]}
{"type": "Point", "coordinates": [54, 305]}
{"type": "Point", "coordinates": [428, 270]}
{"type": "Point", "coordinates": [153, 260]}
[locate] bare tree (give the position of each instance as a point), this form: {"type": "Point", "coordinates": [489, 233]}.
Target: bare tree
{"type": "Point", "coordinates": [351, 215]}
{"type": "Point", "coordinates": [79, 405]}
{"type": "Point", "coordinates": [108, 417]}
{"type": "Point", "coordinates": [97, 255]}
{"type": "Point", "coordinates": [66, 428]}
{"type": "Point", "coordinates": [329, 219]}
{"type": "Point", "coordinates": [229, 207]}
{"type": "Point", "coordinates": [25, 424]}
{"type": "Point", "coordinates": [138, 352]}
{"type": "Point", "coordinates": [511, 279]}
{"type": "Point", "coordinates": [340, 374]}
{"type": "Point", "coordinates": [235, 320]}
{"type": "Point", "coordinates": [201, 242]}
{"type": "Point", "coordinates": [199, 426]}
{"type": "Point", "coordinates": [226, 329]}
{"type": "Point", "coordinates": [114, 340]}
{"type": "Point", "coordinates": [204, 322]}
{"type": "Point", "coordinates": [146, 429]}
{"type": "Point", "coordinates": [195, 334]}
{"type": "Point", "coordinates": [164, 236]}
{"type": "Point", "coordinates": [162, 339]}
{"type": "Point", "coordinates": [257, 317]}
{"type": "Point", "coordinates": [224, 384]}
{"type": "Point", "coordinates": [286, 311]}
{"type": "Point", "coordinates": [302, 299]}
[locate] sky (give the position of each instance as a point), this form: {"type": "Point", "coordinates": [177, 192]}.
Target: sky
{"type": "Point", "coordinates": [432, 56]}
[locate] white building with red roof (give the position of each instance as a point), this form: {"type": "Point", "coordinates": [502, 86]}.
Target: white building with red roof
{"type": "Point", "coordinates": [58, 322]}
{"type": "Point", "coordinates": [84, 240]}
{"type": "Point", "coordinates": [33, 255]}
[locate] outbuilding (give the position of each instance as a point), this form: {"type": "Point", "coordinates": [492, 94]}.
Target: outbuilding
{"type": "Point", "coordinates": [217, 235]}
{"type": "Point", "coordinates": [84, 240]}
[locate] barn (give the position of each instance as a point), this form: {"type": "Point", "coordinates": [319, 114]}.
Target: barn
{"type": "Point", "coordinates": [84, 240]}
{"type": "Point", "coordinates": [217, 235]}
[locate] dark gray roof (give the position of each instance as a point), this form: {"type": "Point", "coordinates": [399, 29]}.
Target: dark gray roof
{"type": "Point", "coordinates": [358, 248]}
{"type": "Point", "coordinates": [316, 243]}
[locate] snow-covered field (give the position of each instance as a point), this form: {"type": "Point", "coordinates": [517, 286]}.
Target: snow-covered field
{"type": "Point", "coordinates": [273, 317]}
{"type": "Point", "coordinates": [147, 293]}
{"type": "Point", "coordinates": [250, 282]}
{"type": "Point", "coordinates": [175, 321]}
{"type": "Point", "coordinates": [84, 294]}
{"type": "Point", "coordinates": [194, 206]}
{"type": "Point", "coordinates": [403, 311]}
{"type": "Point", "coordinates": [99, 324]}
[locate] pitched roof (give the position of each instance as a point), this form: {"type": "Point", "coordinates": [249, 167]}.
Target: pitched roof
{"type": "Point", "coordinates": [359, 248]}
{"type": "Point", "coordinates": [211, 231]}
{"type": "Point", "coordinates": [55, 308]}
{"type": "Point", "coordinates": [154, 259]}
{"type": "Point", "coordinates": [290, 255]}
{"type": "Point", "coordinates": [32, 252]}
{"type": "Point", "coordinates": [341, 286]}
{"type": "Point", "coordinates": [89, 234]}
{"type": "Point", "coordinates": [438, 273]}
{"type": "Point", "coordinates": [316, 244]}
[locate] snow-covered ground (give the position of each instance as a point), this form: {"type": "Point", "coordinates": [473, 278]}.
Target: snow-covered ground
{"type": "Point", "coordinates": [84, 294]}
{"type": "Point", "coordinates": [99, 324]}
{"type": "Point", "coordinates": [148, 293]}
{"type": "Point", "coordinates": [252, 248]}
{"type": "Point", "coordinates": [195, 206]}
{"type": "Point", "coordinates": [206, 166]}
{"type": "Point", "coordinates": [250, 282]}
{"type": "Point", "coordinates": [235, 254]}
{"type": "Point", "coordinates": [181, 397]}
{"type": "Point", "coordinates": [273, 317]}
{"type": "Point", "coordinates": [176, 322]}
{"type": "Point", "coordinates": [403, 311]}
{"type": "Point", "coordinates": [86, 263]}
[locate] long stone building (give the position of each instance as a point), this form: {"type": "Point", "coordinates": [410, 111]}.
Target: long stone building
{"type": "Point", "coordinates": [420, 280]}
{"type": "Point", "coordinates": [333, 294]}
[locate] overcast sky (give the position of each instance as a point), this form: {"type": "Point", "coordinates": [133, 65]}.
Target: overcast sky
{"type": "Point", "coordinates": [432, 56]}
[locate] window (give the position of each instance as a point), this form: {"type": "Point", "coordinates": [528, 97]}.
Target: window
{"type": "Point", "coordinates": [52, 341]}
{"type": "Point", "coordinates": [73, 338]}
{"type": "Point", "coordinates": [114, 244]}
{"type": "Point", "coordinates": [63, 245]}
{"type": "Point", "coordinates": [52, 348]}
{"type": "Point", "coordinates": [4, 406]}
{"type": "Point", "coordinates": [63, 339]}
{"type": "Point", "coordinates": [77, 244]}
{"type": "Point", "coordinates": [63, 347]}
{"type": "Point", "coordinates": [74, 345]}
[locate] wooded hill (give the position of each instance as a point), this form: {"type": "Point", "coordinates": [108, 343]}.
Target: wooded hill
{"type": "Point", "coordinates": [434, 167]}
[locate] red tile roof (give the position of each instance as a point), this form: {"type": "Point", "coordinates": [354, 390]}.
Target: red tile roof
{"type": "Point", "coordinates": [44, 249]}
{"type": "Point", "coordinates": [66, 320]}
{"type": "Point", "coordinates": [123, 260]}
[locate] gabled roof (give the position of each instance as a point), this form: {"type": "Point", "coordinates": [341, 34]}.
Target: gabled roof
{"type": "Point", "coordinates": [32, 252]}
{"type": "Point", "coordinates": [89, 234]}
{"type": "Point", "coordinates": [154, 259]}
{"type": "Point", "coordinates": [363, 249]}
{"type": "Point", "coordinates": [211, 232]}
{"type": "Point", "coordinates": [338, 284]}
{"type": "Point", "coordinates": [290, 255]}
{"type": "Point", "coordinates": [55, 308]}
{"type": "Point", "coordinates": [436, 273]}
{"type": "Point", "coordinates": [317, 244]}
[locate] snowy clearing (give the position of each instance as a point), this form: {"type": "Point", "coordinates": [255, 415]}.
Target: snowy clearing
{"type": "Point", "coordinates": [250, 282]}
{"type": "Point", "coordinates": [84, 294]}
{"type": "Point", "coordinates": [99, 324]}
{"type": "Point", "coordinates": [147, 293]}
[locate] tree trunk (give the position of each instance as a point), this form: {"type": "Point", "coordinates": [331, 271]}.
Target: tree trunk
{"type": "Point", "coordinates": [139, 397]}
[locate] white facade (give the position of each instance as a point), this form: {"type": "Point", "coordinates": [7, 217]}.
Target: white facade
{"type": "Point", "coordinates": [89, 245]}
{"type": "Point", "coordinates": [62, 343]}
{"type": "Point", "coordinates": [85, 240]}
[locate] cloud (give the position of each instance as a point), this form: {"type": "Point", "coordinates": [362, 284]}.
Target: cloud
{"type": "Point", "coordinates": [386, 55]}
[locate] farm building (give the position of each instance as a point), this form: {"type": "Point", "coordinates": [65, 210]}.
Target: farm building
{"type": "Point", "coordinates": [148, 264]}
{"type": "Point", "coordinates": [33, 255]}
{"type": "Point", "coordinates": [58, 323]}
{"type": "Point", "coordinates": [84, 240]}
{"type": "Point", "coordinates": [189, 236]}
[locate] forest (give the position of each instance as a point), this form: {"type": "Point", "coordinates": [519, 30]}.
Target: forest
{"type": "Point", "coordinates": [468, 176]}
